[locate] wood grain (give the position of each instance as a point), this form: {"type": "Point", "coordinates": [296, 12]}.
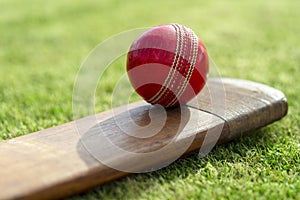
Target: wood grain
{"type": "Point", "coordinates": [65, 160]}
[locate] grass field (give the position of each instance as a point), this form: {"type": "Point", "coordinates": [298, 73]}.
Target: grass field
{"type": "Point", "coordinates": [42, 44]}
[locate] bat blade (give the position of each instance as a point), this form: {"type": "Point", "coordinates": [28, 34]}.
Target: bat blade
{"type": "Point", "coordinates": [75, 156]}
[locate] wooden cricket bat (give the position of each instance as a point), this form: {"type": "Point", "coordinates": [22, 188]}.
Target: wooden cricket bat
{"type": "Point", "coordinates": [59, 161]}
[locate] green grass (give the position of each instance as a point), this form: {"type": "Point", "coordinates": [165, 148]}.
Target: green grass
{"type": "Point", "coordinates": [42, 44]}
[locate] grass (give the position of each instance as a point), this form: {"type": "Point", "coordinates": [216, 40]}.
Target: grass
{"type": "Point", "coordinates": [42, 44]}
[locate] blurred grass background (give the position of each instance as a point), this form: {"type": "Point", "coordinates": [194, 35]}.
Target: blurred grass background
{"type": "Point", "coordinates": [42, 44]}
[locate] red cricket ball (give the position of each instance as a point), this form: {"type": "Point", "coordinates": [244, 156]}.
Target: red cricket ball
{"type": "Point", "coordinates": [168, 65]}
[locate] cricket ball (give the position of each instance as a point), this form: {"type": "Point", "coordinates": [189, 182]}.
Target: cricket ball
{"type": "Point", "coordinates": [168, 65]}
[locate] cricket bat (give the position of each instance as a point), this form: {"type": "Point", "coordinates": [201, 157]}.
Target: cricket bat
{"type": "Point", "coordinates": [73, 157]}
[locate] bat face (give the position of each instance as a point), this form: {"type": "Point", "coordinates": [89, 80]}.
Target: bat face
{"type": "Point", "coordinates": [78, 155]}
